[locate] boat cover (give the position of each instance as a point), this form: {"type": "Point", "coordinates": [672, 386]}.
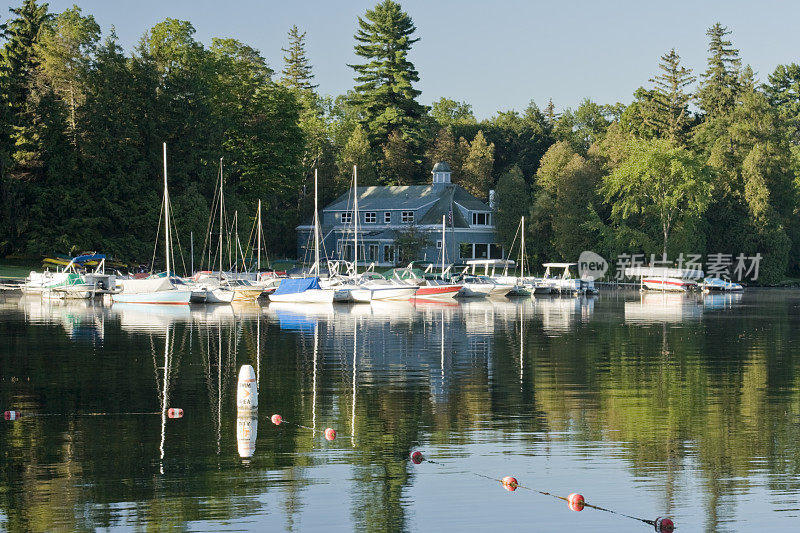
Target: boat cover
{"type": "Point", "coordinates": [296, 285]}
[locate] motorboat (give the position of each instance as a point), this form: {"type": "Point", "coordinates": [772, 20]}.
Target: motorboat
{"type": "Point", "coordinates": [666, 278]}
{"type": "Point", "coordinates": [720, 285]}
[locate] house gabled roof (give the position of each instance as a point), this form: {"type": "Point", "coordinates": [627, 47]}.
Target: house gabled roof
{"type": "Point", "coordinates": [442, 207]}
{"type": "Point", "coordinates": [375, 198]}
{"type": "Point", "coordinates": [411, 197]}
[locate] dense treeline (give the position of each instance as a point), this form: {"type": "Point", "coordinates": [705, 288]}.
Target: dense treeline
{"type": "Point", "coordinates": [694, 164]}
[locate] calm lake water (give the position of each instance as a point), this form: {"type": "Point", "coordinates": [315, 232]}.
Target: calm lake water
{"type": "Point", "coordinates": [648, 405]}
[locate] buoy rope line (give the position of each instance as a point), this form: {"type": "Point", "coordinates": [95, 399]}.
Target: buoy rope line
{"type": "Point", "coordinates": [575, 501]}
{"type": "Point", "coordinates": [329, 433]}
{"type": "Point", "coordinates": [172, 412]}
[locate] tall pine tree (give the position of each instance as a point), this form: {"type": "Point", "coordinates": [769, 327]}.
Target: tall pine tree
{"type": "Point", "coordinates": [297, 69]}
{"type": "Point", "coordinates": [385, 92]}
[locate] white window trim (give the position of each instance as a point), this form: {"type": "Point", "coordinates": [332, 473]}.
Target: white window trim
{"type": "Point", "coordinates": [367, 217]}
{"type": "Point", "coordinates": [405, 218]}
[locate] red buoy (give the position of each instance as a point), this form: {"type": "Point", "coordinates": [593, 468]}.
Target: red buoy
{"type": "Point", "coordinates": [664, 525]}
{"type": "Point", "coordinates": [175, 412]}
{"type": "Point", "coordinates": [510, 483]}
{"type": "Point", "coordinates": [576, 502]}
{"type": "Point", "coordinates": [12, 415]}
{"type": "Point", "coordinates": [417, 457]}
{"type": "Point", "coordinates": [330, 434]}
{"type": "Point", "coordinates": [277, 419]}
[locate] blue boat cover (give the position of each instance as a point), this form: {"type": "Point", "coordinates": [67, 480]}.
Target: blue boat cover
{"type": "Point", "coordinates": [296, 285]}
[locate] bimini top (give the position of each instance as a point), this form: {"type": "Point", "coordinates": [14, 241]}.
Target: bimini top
{"type": "Point", "coordinates": [558, 265]}
{"type": "Point", "coordinates": [296, 285]}
{"type": "Point", "coordinates": [491, 262]}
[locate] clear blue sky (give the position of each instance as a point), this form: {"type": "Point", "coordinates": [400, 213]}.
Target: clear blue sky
{"type": "Point", "coordinates": [495, 55]}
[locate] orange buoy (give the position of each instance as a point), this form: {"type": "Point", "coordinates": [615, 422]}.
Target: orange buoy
{"type": "Point", "coordinates": [175, 412]}
{"type": "Point", "coordinates": [417, 457]}
{"type": "Point", "coordinates": [664, 525]}
{"type": "Point", "coordinates": [277, 419]}
{"type": "Point", "coordinates": [330, 434]}
{"type": "Point", "coordinates": [12, 415]}
{"type": "Point", "coordinates": [576, 502]}
{"type": "Point", "coordinates": [510, 483]}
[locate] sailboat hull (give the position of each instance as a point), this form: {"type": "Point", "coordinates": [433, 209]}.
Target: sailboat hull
{"type": "Point", "coordinates": [160, 297]}
{"type": "Point", "coordinates": [307, 296]}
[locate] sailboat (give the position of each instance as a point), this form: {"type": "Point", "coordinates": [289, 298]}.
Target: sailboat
{"type": "Point", "coordinates": [305, 290]}
{"type": "Point", "coordinates": [439, 289]}
{"type": "Point", "coordinates": [162, 288]}
{"type": "Point", "coordinates": [204, 282]}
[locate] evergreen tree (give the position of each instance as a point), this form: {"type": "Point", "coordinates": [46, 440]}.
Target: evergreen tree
{"type": "Point", "coordinates": [18, 63]}
{"type": "Point", "coordinates": [672, 103]}
{"type": "Point", "coordinates": [783, 93]}
{"type": "Point", "coordinates": [385, 92]}
{"type": "Point", "coordinates": [550, 114]}
{"type": "Point", "coordinates": [297, 69]}
{"type": "Point", "coordinates": [720, 84]}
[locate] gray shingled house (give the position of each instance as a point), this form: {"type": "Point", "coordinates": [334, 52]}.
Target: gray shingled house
{"type": "Point", "coordinates": [387, 212]}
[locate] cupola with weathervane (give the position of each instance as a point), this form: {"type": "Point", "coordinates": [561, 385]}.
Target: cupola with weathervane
{"type": "Point", "coordinates": [441, 173]}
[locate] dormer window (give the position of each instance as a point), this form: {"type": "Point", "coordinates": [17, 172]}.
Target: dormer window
{"type": "Point", "coordinates": [407, 217]}
{"type": "Point", "coordinates": [370, 217]}
{"type": "Point", "coordinates": [347, 217]}
{"type": "Point", "coordinates": [481, 219]}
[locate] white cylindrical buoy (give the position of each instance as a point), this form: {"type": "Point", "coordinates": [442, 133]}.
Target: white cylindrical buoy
{"type": "Point", "coordinates": [246, 431]}
{"type": "Point", "coordinates": [247, 391]}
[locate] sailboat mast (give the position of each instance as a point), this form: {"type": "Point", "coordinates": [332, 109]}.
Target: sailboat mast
{"type": "Point", "coordinates": [220, 219]}
{"type": "Point", "coordinates": [443, 244]}
{"type": "Point", "coordinates": [258, 262]}
{"type": "Point", "coordinates": [316, 227]}
{"type": "Point", "coordinates": [522, 255]}
{"type": "Point", "coordinates": [167, 236]}
{"type": "Point", "coordinates": [355, 218]}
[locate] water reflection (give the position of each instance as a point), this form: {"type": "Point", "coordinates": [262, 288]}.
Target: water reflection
{"type": "Point", "coordinates": [653, 404]}
{"type": "Point", "coordinates": [663, 307]}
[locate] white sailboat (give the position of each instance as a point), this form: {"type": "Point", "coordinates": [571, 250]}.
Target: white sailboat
{"type": "Point", "coordinates": [162, 288]}
{"type": "Point", "coordinates": [305, 290]}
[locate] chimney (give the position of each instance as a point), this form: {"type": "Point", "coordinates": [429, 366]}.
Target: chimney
{"type": "Point", "coordinates": [491, 199]}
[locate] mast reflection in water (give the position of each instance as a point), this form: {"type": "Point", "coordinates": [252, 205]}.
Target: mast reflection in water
{"type": "Point", "coordinates": [653, 405]}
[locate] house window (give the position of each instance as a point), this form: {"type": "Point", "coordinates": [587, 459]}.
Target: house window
{"type": "Point", "coordinates": [438, 245]}
{"type": "Point", "coordinates": [465, 250]}
{"type": "Point", "coordinates": [480, 219]}
{"type": "Point", "coordinates": [481, 251]}
{"type": "Point", "coordinates": [370, 217]}
{"type": "Point", "coordinates": [347, 217]}
{"type": "Point", "coordinates": [373, 252]}
{"type": "Point", "coordinates": [361, 253]}
{"type": "Point", "coordinates": [495, 251]}
{"type": "Point", "coordinates": [407, 217]}
{"type": "Point", "coordinates": [347, 252]}
{"type": "Point", "coordinates": [388, 253]}
{"type": "Point", "coordinates": [387, 217]}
